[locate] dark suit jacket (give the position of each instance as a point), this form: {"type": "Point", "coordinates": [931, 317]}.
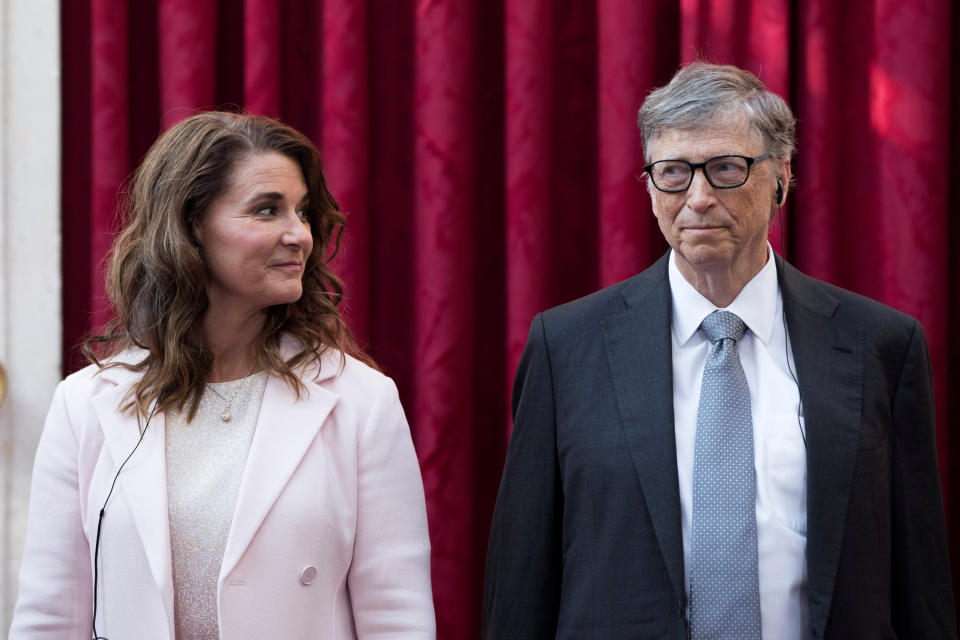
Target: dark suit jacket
{"type": "Point", "coordinates": [585, 540]}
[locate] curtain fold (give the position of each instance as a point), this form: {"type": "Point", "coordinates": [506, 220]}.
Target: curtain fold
{"type": "Point", "coordinates": [487, 157]}
{"type": "Point", "coordinates": [445, 182]}
{"type": "Point", "coordinates": [110, 121]}
{"type": "Point", "coordinates": [187, 42]}
{"type": "Point", "coordinates": [343, 124]}
{"type": "Point", "coordinates": [632, 58]}
{"type": "Point", "coordinates": [529, 35]}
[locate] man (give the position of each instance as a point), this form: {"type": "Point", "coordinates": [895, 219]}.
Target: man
{"type": "Point", "coordinates": [720, 446]}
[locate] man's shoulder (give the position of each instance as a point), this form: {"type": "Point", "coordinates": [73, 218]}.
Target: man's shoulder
{"type": "Point", "coordinates": [593, 308]}
{"type": "Point", "coordinates": [851, 307]}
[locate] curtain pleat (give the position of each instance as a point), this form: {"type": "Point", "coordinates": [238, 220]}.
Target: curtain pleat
{"type": "Point", "coordinates": [110, 123]}
{"type": "Point", "coordinates": [263, 61]}
{"type": "Point", "coordinates": [528, 101]}
{"type": "Point", "coordinates": [487, 158]}
{"type": "Point", "coordinates": [187, 46]}
{"type": "Point", "coordinates": [631, 59]}
{"type": "Point", "coordinates": [76, 225]}
{"type": "Point", "coordinates": [343, 124]}
{"type": "Point", "coordinates": [445, 89]}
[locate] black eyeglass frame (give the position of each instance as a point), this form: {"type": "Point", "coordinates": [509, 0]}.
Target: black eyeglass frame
{"type": "Point", "coordinates": [702, 166]}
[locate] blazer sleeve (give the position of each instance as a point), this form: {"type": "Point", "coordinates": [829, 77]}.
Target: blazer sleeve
{"type": "Point", "coordinates": [523, 572]}
{"type": "Point", "coordinates": [389, 579]}
{"type": "Point", "coordinates": [922, 589]}
{"type": "Point", "coordinates": [55, 597]}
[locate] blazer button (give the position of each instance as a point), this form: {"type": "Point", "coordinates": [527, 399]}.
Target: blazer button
{"type": "Point", "coordinates": [308, 575]}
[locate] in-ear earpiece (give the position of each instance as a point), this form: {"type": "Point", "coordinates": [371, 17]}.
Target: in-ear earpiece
{"type": "Point", "coordinates": [779, 191]}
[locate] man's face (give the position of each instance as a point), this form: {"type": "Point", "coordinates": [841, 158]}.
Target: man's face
{"type": "Point", "coordinates": [718, 230]}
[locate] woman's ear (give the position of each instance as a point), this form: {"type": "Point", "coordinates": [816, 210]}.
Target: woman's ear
{"type": "Point", "coordinates": [196, 235]}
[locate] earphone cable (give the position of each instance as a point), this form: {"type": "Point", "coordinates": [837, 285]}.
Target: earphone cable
{"type": "Point", "coordinates": [786, 337]}
{"type": "Point", "coordinates": [96, 547]}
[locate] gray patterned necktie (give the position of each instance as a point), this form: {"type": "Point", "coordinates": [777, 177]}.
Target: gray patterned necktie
{"type": "Point", "coordinates": [724, 591]}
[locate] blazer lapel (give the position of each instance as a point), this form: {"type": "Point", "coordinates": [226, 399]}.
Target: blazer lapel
{"type": "Point", "coordinates": [638, 346]}
{"type": "Point", "coordinates": [285, 430]}
{"type": "Point", "coordinates": [141, 484]}
{"type": "Point", "coordinates": [829, 357]}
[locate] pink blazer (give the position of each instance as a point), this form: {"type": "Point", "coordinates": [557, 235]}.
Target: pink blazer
{"type": "Point", "coordinates": [329, 539]}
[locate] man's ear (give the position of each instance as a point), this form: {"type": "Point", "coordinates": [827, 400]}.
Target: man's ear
{"type": "Point", "coordinates": [785, 174]}
{"type": "Point", "coordinates": [781, 184]}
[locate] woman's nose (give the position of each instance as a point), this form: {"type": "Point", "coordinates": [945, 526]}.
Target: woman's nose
{"type": "Point", "coordinates": [296, 229]}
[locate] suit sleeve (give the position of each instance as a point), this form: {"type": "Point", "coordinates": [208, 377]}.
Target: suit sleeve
{"type": "Point", "coordinates": [523, 571]}
{"type": "Point", "coordinates": [922, 591]}
{"type": "Point", "coordinates": [55, 596]}
{"type": "Point", "coordinates": [389, 578]}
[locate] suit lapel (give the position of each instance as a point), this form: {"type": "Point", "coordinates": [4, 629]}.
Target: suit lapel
{"type": "Point", "coordinates": [829, 357]}
{"type": "Point", "coordinates": [142, 483]}
{"type": "Point", "coordinates": [638, 347]}
{"type": "Point", "coordinates": [285, 430]}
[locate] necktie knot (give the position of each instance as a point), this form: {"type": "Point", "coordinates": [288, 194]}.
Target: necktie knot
{"type": "Point", "coordinates": [723, 324]}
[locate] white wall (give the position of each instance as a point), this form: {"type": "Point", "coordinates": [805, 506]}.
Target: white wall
{"type": "Point", "coordinates": [30, 314]}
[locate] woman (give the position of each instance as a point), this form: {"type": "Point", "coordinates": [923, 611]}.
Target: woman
{"type": "Point", "coordinates": [265, 480]}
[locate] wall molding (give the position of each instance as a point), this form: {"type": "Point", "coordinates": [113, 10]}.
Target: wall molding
{"type": "Point", "coordinates": [30, 277]}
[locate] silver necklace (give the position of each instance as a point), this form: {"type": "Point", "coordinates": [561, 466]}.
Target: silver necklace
{"type": "Point", "coordinates": [225, 415]}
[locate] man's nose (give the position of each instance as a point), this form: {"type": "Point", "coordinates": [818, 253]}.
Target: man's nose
{"type": "Point", "coordinates": [701, 194]}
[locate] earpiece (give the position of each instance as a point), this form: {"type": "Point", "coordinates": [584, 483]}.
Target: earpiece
{"type": "Point", "coordinates": [779, 191]}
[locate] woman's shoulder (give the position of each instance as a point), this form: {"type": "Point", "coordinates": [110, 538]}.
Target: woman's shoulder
{"type": "Point", "coordinates": [111, 371]}
{"type": "Point", "coordinates": [357, 386]}
{"type": "Point", "coordinates": [331, 366]}
{"type": "Point", "coordinates": [336, 368]}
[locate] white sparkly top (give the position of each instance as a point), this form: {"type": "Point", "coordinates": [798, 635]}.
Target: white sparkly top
{"type": "Point", "coordinates": [205, 463]}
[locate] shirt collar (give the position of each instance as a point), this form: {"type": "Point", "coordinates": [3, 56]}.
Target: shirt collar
{"type": "Point", "coordinates": [756, 304]}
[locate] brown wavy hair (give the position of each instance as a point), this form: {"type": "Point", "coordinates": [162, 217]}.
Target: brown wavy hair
{"type": "Point", "coordinates": [156, 274]}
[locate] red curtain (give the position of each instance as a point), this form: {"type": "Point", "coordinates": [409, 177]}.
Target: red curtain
{"type": "Point", "coordinates": [487, 155]}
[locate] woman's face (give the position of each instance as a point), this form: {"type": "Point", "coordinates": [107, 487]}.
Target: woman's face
{"type": "Point", "coordinates": [255, 238]}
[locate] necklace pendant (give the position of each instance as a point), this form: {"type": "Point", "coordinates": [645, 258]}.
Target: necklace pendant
{"type": "Point", "coordinates": [225, 415]}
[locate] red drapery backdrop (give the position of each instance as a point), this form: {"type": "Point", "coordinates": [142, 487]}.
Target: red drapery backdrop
{"type": "Point", "coordinates": [487, 155]}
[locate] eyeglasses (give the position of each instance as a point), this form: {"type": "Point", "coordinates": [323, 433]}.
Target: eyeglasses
{"type": "Point", "coordinates": [722, 172]}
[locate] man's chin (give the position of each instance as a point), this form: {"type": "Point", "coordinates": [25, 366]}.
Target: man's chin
{"type": "Point", "coordinates": [703, 256]}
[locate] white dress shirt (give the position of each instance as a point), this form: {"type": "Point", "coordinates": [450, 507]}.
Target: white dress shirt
{"type": "Point", "coordinates": [779, 450]}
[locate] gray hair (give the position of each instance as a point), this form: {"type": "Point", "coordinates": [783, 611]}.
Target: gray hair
{"type": "Point", "coordinates": [701, 92]}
